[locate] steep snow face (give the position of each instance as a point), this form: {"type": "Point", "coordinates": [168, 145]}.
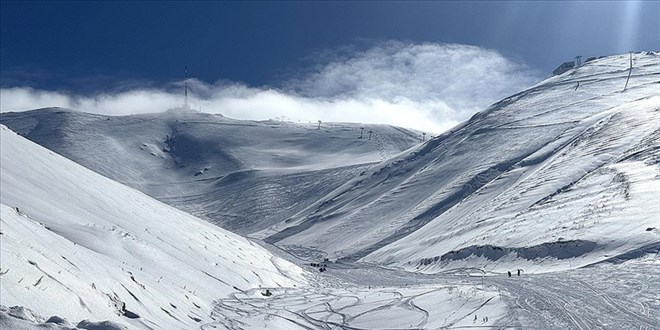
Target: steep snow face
{"type": "Point", "coordinates": [241, 175]}
{"type": "Point", "coordinates": [81, 246]}
{"type": "Point", "coordinates": [561, 175]}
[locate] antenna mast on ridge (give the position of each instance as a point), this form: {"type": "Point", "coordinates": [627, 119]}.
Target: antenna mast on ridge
{"type": "Point", "coordinates": [185, 91]}
{"type": "Point", "coordinates": [629, 73]}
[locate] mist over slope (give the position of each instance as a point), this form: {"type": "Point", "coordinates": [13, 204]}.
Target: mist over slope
{"type": "Point", "coordinates": [241, 175]}
{"type": "Point", "coordinates": [561, 175]}
{"type": "Point", "coordinates": [81, 246]}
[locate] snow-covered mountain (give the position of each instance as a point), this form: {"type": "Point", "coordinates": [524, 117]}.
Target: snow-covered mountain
{"type": "Point", "coordinates": [81, 246]}
{"type": "Point", "coordinates": [242, 175]}
{"type": "Point", "coordinates": [561, 175]}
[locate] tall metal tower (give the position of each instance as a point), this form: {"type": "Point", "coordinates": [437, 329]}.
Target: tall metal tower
{"type": "Point", "coordinates": [185, 90]}
{"type": "Point", "coordinates": [629, 72]}
{"type": "Point", "coordinates": [630, 60]}
{"type": "Point", "coordinates": [578, 61]}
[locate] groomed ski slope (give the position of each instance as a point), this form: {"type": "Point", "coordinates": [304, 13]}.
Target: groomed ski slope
{"type": "Point", "coordinates": [241, 175]}
{"type": "Point", "coordinates": [555, 177]}
{"type": "Point", "coordinates": [78, 245]}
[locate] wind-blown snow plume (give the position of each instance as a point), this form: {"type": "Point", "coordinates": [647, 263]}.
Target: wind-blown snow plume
{"type": "Point", "coordinates": [427, 86]}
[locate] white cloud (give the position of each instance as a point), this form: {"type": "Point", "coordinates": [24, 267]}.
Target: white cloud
{"type": "Point", "coordinates": [430, 87]}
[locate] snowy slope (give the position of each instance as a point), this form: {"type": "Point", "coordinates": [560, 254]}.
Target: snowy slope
{"type": "Point", "coordinates": [78, 245]}
{"type": "Point", "coordinates": [241, 175]}
{"type": "Point", "coordinates": [558, 176]}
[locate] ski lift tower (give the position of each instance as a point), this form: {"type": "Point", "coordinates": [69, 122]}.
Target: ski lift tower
{"type": "Point", "coordinates": [578, 61]}
{"type": "Point", "coordinates": [629, 71]}
{"type": "Point", "coordinates": [185, 91]}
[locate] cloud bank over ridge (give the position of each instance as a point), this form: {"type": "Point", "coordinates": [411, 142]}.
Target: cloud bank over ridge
{"type": "Point", "coordinates": [428, 86]}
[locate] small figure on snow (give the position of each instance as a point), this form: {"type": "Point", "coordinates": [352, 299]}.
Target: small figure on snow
{"type": "Point", "coordinates": [509, 272]}
{"type": "Point", "coordinates": [518, 271]}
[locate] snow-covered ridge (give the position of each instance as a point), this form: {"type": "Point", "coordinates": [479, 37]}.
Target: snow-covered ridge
{"type": "Point", "coordinates": [241, 175]}
{"type": "Point", "coordinates": [81, 246]}
{"type": "Point", "coordinates": [572, 159]}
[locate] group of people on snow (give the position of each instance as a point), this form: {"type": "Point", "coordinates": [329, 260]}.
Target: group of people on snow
{"type": "Point", "coordinates": [509, 272]}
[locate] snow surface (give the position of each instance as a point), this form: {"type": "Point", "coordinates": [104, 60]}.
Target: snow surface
{"type": "Point", "coordinates": [78, 245]}
{"type": "Point", "coordinates": [430, 307]}
{"type": "Point", "coordinates": [21, 318]}
{"type": "Point", "coordinates": [551, 178]}
{"type": "Point", "coordinates": [85, 252]}
{"type": "Point", "coordinates": [242, 175]}
{"type": "Point", "coordinates": [363, 296]}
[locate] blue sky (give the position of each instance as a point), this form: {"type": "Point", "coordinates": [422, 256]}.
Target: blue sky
{"type": "Point", "coordinates": [92, 48]}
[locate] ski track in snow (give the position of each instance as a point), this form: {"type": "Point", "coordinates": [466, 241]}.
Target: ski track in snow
{"type": "Point", "coordinates": [606, 296]}
{"type": "Point", "coordinates": [603, 296]}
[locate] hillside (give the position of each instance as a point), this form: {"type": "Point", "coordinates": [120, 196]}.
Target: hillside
{"type": "Point", "coordinates": [558, 176]}
{"type": "Point", "coordinates": [560, 182]}
{"type": "Point", "coordinates": [81, 246]}
{"type": "Point", "coordinates": [241, 175]}
{"type": "Point", "coordinates": [561, 175]}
